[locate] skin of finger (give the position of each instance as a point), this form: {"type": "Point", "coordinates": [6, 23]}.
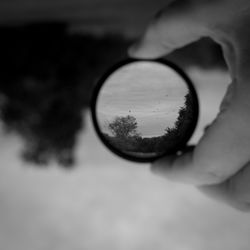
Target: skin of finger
{"type": "Point", "coordinates": [180, 169]}
{"type": "Point", "coordinates": [235, 191]}
{"type": "Point", "coordinates": [231, 126]}
{"type": "Point", "coordinates": [173, 28]}
{"type": "Point", "coordinates": [186, 21]}
{"type": "Point", "coordinates": [220, 153]}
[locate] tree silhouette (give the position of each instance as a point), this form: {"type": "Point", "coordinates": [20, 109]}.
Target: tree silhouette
{"type": "Point", "coordinates": [123, 126]}
{"type": "Point", "coordinates": [186, 113]}
{"type": "Point", "coordinates": [185, 117]}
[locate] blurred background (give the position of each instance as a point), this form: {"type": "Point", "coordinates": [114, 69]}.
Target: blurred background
{"type": "Point", "coordinates": [60, 188]}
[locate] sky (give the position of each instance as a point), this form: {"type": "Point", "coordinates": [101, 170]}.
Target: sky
{"type": "Point", "coordinates": [151, 92]}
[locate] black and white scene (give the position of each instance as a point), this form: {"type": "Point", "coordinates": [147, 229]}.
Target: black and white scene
{"type": "Point", "coordinates": [61, 188]}
{"type": "Point", "coordinates": [144, 109]}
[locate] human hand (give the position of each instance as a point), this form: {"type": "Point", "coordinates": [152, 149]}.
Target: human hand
{"type": "Point", "coordinates": [220, 163]}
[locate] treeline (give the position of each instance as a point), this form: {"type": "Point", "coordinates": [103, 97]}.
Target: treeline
{"type": "Point", "coordinates": [150, 145]}
{"type": "Point", "coordinates": [127, 139]}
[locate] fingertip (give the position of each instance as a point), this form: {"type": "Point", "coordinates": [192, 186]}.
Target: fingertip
{"type": "Point", "coordinates": [149, 46]}
{"type": "Point", "coordinates": [181, 168]}
{"type": "Point", "coordinates": [146, 50]}
{"type": "Point", "coordinates": [169, 161]}
{"type": "Point", "coordinates": [161, 165]}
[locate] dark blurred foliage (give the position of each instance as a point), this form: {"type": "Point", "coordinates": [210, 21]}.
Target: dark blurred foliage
{"type": "Point", "coordinates": [185, 120]}
{"type": "Point", "coordinates": [46, 81]}
{"type": "Point", "coordinates": [47, 76]}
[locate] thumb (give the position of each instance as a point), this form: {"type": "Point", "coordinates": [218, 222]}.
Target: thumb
{"type": "Point", "coordinates": [172, 28]}
{"type": "Point", "coordinates": [235, 191]}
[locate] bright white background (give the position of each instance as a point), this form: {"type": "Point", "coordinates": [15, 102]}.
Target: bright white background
{"type": "Point", "coordinates": [110, 204]}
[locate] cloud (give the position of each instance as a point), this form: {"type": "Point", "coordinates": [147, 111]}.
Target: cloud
{"type": "Point", "coordinates": [153, 95]}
